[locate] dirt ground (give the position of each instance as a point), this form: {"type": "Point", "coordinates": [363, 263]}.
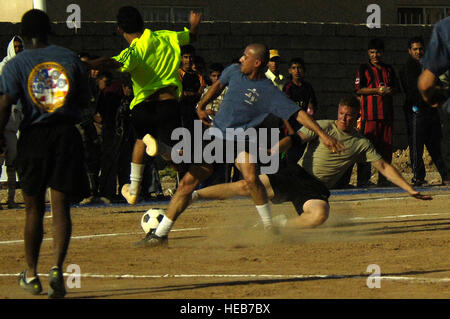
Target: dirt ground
{"type": "Point", "coordinates": [215, 252]}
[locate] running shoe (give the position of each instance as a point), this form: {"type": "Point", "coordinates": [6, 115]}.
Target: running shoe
{"type": "Point", "coordinates": [131, 198]}
{"type": "Point", "coordinates": [34, 286]}
{"type": "Point", "coordinates": [151, 240]}
{"type": "Point", "coordinates": [56, 287]}
{"type": "Point", "coordinates": [151, 144]}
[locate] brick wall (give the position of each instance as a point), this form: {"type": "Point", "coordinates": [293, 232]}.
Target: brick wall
{"type": "Point", "coordinates": [332, 52]}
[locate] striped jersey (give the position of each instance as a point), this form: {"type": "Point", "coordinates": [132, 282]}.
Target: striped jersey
{"type": "Point", "coordinates": [376, 107]}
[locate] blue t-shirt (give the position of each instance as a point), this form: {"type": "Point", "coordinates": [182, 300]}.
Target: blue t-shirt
{"type": "Point", "coordinates": [437, 57]}
{"type": "Point", "coordinates": [51, 83]}
{"type": "Point", "coordinates": [247, 102]}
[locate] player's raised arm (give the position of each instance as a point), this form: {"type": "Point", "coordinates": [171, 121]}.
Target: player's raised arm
{"type": "Point", "coordinates": [334, 145]}
{"type": "Point", "coordinates": [194, 20]}
{"type": "Point", "coordinates": [395, 177]}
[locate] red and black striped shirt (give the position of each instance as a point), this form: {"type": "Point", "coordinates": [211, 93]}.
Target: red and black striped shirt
{"type": "Point", "coordinates": [376, 107]}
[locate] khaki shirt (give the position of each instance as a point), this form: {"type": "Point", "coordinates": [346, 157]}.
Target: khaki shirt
{"type": "Point", "coordinates": [318, 160]}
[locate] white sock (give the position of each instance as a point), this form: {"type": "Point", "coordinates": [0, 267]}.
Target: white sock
{"type": "Point", "coordinates": [264, 213]}
{"type": "Point", "coordinates": [137, 170]}
{"type": "Point", "coordinates": [194, 196]}
{"type": "Point", "coordinates": [164, 227]}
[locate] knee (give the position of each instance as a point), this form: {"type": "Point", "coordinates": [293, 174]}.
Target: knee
{"type": "Point", "coordinates": [249, 182]}
{"type": "Point", "coordinates": [319, 217]}
{"type": "Point", "coordinates": [318, 213]}
{"type": "Point", "coordinates": [243, 187]}
{"type": "Point", "coordinates": [187, 186]}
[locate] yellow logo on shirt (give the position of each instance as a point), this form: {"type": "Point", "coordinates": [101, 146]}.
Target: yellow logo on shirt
{"type": "Point", "coordinates": [48, 86]}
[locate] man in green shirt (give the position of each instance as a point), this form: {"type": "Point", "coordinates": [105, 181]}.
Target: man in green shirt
{"type": "Point", "coordinates": [152, 59]}
{"type": "Point", "coordinates": [306, 184]}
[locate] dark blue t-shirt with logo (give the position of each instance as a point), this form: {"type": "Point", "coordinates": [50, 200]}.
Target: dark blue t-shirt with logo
{"type": "Point", "coordinates": [247, 102]}
{"type": "Point", "coordinates": [51, 83]}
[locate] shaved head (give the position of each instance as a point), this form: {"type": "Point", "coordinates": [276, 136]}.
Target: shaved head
{"type": "Point", "coordinates": [261, 52]}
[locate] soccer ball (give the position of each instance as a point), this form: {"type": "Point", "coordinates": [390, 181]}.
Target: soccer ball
{"type": "Point", "coordinates": [151, 219]}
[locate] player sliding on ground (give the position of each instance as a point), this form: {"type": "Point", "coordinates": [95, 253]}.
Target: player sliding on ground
{"type": "Point", "coordinates": [306, 184]}
{"type": "Point", "coordinates": [250, 98]}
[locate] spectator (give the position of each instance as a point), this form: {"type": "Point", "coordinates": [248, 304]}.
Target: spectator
{"type": "Point", "coordinates": [423, 122]}
{"type": "Point", "coordinates": [375, 84]}
{"type": "Point", "coordinates": [108, 105]}
{"type": "Point", "coordinates": [301, 92]}
{"type": "Point", "coordinates": [273, 71]}
{"type": "Point", "coordinates": [193, 86]}
{"type": "Point", "coordinates": [15, 46]}
{"type": "Point", "coordinates": [222, 172]}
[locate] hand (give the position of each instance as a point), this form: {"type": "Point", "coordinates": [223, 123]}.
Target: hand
{"type": "Point", "coordinates": [418, 195]}
{"type": "Point", "coordinates": [194, 20]}
{"type": "Point", "coordinates": [334, 145]}
{"type": "Point", "coordinates": [203, 115]}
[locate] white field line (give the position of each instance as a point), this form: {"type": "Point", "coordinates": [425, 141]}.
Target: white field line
{"type": "Point", "coordinates": [6, 242]}
{"type": "Point", "coordinates": [99, 235]}
{"type": "Point", "coordinates": [249, 276]}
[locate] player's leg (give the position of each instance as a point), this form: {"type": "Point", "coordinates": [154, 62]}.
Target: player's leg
{"type": "Point", "coordinates": [248, 169]}
{"type": "Point", "coordinates": [131, 191]}
{"type": "Point", "coordinates": [179, 202]}
{"type": "Point", "coordinates": [62, 231]}
{"type": "Point", "coordinates": [230, 190]}
{"type": "Point", "coordinates": [315, 213]}
{"type": "Point", "coordinates": [62, 226]}
{"type": "Point", "coordinates": [34, 229]}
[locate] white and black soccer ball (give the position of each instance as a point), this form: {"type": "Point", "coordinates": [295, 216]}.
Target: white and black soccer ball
{"type": "Point", "coordinates": [151, 219]}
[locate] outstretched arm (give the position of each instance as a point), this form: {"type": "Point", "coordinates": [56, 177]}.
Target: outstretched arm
{"type": "Point", "coordinates": [103, 63]}
{"type": "Point", "coordinates": [286, 143]}
{"type": "Point", "coordinates": [395, 177]}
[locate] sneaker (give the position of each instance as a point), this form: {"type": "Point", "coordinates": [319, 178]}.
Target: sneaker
{"type": "Point", "coordinates": [151, 144]}
{"type": "Point", "coordinates": [151, 240]}
{"type": "Point", "coordinates": [131, 198]}
{"type": "Point", "coordinates": [56, 287]}
{"type": "Point", "coordinates": [34, 286]}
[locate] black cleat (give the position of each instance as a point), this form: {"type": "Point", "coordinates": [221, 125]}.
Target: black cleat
{"type": "Point", "coordinates": [56, 287]}
{"type": "Point", "coordinates": [34, 286]}
{"type": "Point", "coordinates": [151, 240]}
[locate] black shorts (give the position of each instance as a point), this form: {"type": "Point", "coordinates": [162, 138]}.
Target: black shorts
{"type": "Point", "coordinates": [52, 155]}
{"type": "Point", "coordinates": [296, 185]}
{"type": "Point", "coordinates": [157, 118]}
